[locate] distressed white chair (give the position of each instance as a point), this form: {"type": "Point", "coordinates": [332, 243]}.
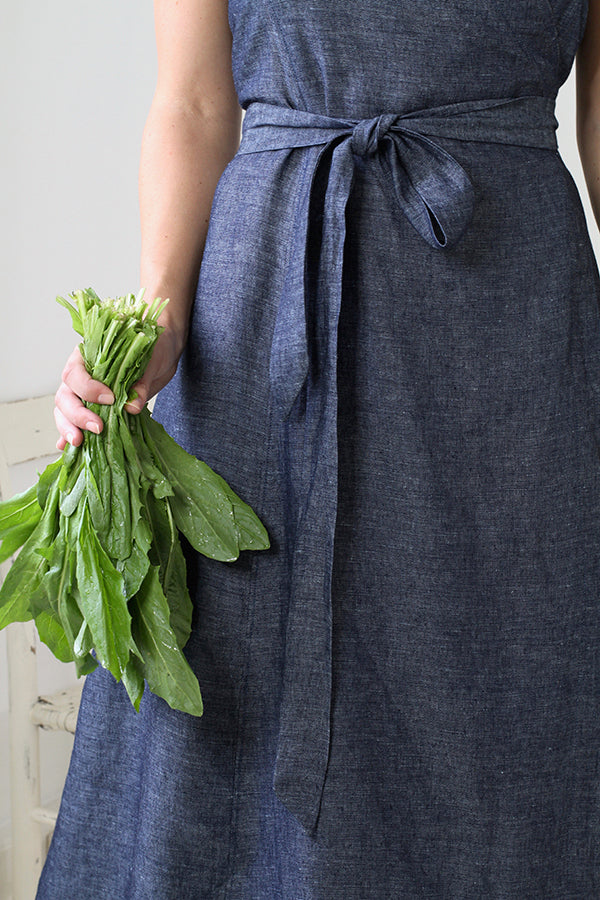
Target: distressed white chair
{"type": "Point", "coordinates": [27, 434]}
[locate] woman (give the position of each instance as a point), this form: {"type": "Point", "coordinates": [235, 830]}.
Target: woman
{"type": "Point", "coordinates": [393, 354]}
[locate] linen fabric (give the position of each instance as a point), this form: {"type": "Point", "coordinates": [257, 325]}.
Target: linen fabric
{"type": "Point", "coordinates": [394, 357]}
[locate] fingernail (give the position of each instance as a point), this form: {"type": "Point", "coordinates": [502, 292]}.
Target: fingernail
{"type": "Point", "coordinates": [70, 437]}
{"type": "Point", "coordinates": [106, 398]}
{"type": "Point", "coordinates": [93, 426]}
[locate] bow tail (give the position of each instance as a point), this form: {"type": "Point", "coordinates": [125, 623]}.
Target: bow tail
{"type": "Point", "coordinates": [310, 445]}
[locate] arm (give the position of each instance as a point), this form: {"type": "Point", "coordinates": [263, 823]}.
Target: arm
{"type": "Point", "coordinates": [192, 132]}
{"type": "Point", "coordinates": [587, 71]}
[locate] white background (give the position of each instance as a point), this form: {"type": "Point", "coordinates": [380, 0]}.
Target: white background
{"type": "Point", "coordinates": [77, 79]}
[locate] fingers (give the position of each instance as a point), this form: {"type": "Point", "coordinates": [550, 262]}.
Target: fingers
{"type": "Point", "coordinates": [71, 416]}
{"type": "Point", "coordinates": [77, 379]}
{"type": "Point", "coordinates": [150, 382]}
{"type": "Point", "coordinates": [154, 378]}
{"type": "Point", "coordinates": [69, 433]}
{"type": "Point", "coordinates": [137, 405]}
{"type": "Point", "coordinates": [70, 413]}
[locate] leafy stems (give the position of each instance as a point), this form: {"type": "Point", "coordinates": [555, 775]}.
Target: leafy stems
{"type": "Point", "coordinates": [101, 570]}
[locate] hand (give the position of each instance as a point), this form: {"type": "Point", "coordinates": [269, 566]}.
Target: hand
{"type": "Point", "coordinates": [72, 417]}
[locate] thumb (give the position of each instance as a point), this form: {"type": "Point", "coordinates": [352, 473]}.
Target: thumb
{"type": "Point", "coordinates": [142, 387]}
{"type": "Point", "coordinates": [141, 390]}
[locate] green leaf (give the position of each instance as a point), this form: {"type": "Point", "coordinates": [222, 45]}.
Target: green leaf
{"type": "Point", "coordinates": [165, 667]}
{"type": "Point", "coordinates": [118, 538]}
{"type": "Point", "coordinates": [53, 635]}
{"type": "Point", "coordinates": [201, 508]}
{"type": "Point", "coordinates": [131, 363]}
{"type": "Point", "coordinates": [48, 478]}
{"type": "Point", "coordinates": [103, 601]}
{"type": "Point", "coordinates": [85, 665]}
{"type": "Point", "coordinates": [71, 456]}
{"type": "Point", "coordinates": [252, 534]}
{"type": "Point", "coordinates": [18, 518]}
{"type": "Point", "coordinates": [74, 313]}
{"type": "Point", "coordinates": [98, 511]}
{"type": "Point", "coordinates": [58, 587]}
{"type": "Point", "coordinates": [83, 642]}
{"type": "Point", "coordinates": [11, 543]}
{"type": "Point", "coordinates": [202, 488]}
{"type": "Point", "coordinates": [135, 567]}
{"type": "Point", "coordinates": [143, 457]}
{"type": "Point", "coordinates": [133, 680]}
{"type": "Point", "coordinates": [133, 468]}
{"type": "Point", "coordinates": [25, 574]}
{"type": "Point", "coordinates": [19, 510]}
{"type": "Point", "coordinates": [70, 500]}
{"type": "Point", "coordinates": [166, 552]}
{"type": "Point", "coordinates": [99, 483]}
{"type": "Point", "coordinates": [22, 580]}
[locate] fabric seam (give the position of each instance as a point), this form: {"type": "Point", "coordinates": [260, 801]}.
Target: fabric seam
{"type": "Point", "coordinates": [233, 841]}
{"type": "Point", "coordinates": [286, 54]}
{"type": "Point", "coordinates": [554, 21]}
{"type": "Point", "coordinates": [240, 717]}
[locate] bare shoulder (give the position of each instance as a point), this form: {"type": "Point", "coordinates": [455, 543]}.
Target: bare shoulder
{"type": "Point", "coordinates": [193, 41]}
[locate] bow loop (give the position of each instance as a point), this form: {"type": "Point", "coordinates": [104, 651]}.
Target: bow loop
{"type": "Point", "coordinates": [432, 189]}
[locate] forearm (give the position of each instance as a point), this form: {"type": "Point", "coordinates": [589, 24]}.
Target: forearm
{"type": "Point", "coordinates": [587, 72]}
{"type": "Point", "coordinates": [184, 153]}
{"type": "Point", "coordinates": [588, 140]}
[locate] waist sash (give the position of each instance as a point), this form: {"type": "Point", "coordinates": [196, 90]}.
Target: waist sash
{"type": "Point", "coordinates": [436, 195]}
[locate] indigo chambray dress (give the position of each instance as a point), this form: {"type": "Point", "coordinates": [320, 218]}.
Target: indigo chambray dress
{"type": "Point", "coordinates": [394, 357]}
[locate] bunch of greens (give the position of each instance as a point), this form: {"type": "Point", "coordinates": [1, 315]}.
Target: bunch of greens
{"type": "Point", "coordinates": [101, 570]}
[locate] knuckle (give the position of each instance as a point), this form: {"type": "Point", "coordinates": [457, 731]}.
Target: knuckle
{"type": "Point", "coordinates": [59, 397]}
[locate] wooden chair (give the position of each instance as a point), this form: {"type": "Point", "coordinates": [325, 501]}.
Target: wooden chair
{"type": "Point", "coordinates": [27, 434]}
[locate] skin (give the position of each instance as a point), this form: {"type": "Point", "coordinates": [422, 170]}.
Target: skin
{"type": "Point", "coordinates": [587, 75]}
{"type": "Point", "coordinates": [192, 132]}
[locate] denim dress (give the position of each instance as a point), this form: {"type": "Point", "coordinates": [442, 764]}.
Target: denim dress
{"type": "Point", "coordinates": [394, 357]}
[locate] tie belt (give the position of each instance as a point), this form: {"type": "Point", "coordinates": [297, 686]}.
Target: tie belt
{"type": "Point", "coordinates": [436, 195]}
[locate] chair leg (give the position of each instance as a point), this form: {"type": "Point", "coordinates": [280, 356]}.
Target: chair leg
{"type": "Point", "coordinates": [28, 845]}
